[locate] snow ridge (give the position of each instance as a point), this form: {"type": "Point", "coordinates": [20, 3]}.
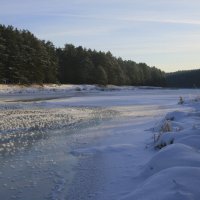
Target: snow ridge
{"type": "Point", "coordinates": [174, 171]}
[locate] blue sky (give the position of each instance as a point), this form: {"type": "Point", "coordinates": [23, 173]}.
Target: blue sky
{"type": "Point", "coordinates": [162, 33]}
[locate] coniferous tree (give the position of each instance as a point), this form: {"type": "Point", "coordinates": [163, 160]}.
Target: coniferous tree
{"type": "Point", "coordinates": [26, 59]}
{"type": "Point", "coordinates": [3, 58]}
{"type": "Point", "coordinates": [187, 79]}
{"type": "Point", "coordinates": [101, 76]}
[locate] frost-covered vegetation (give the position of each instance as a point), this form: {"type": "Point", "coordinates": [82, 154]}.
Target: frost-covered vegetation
{"type": "Point", "coordinates": [177, 125]}
{"type": "Point", "coordinates": [173, 172]}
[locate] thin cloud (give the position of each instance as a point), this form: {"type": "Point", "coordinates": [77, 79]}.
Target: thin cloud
{"type": "Point", "coordinates": [80, 32]}
{"type": "Point", "coordinates": [168, 21]}
{"type": "Point", "coordinates": [128, 18]}
{"type": "Point", "coordinates": [159, 30]}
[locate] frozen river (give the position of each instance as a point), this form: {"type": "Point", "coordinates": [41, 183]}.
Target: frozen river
{"type": "Point", "coordinates": [81, 145]}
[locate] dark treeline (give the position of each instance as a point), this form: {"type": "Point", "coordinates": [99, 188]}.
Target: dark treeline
{"type": "Point", "coordinates": [78, 65]}
{"type": "Point", "coordinates": [187, 79]}
{"type": "Point", "coordinates": [25, 59]}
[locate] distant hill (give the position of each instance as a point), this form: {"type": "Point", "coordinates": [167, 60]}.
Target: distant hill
{"type": "Point", "coordinates": [187, 79]}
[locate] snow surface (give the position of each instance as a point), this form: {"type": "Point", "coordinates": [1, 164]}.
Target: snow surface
{"type": "Point", "coordinates": [83, 142]}
{"type": "Point", "coordinates": [178, 183]}
{"type": "Point", "coordinates": [173, 172]}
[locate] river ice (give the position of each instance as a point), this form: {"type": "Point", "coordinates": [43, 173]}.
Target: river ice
{"type": "Point", "coordinates": [82, 142]}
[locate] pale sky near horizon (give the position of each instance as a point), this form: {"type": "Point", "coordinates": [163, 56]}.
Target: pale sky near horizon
{"type": "Point", "coordinates": [161, 33]}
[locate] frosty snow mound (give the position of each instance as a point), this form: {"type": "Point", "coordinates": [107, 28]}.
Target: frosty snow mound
{"type": "Point", "coordinates": [178, 125]}
{"type": "Point", "coordinates": [174, 171]}
{"type": "Point", "coordinates": [171, 156]}
{"type": "Point", "coordinates": [176, 183]}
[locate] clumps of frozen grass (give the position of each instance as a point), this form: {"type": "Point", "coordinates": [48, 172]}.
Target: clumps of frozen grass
{"type": "Point", "coordinates": [181, 101]}
{"type": "Point", "coordinates": [170, 122]}
{"type": "Point", "coordinates": [174, 171]}
{"type": "Point", "coordinates": [164, 131]}
{"type": "Point", "coordinates": [165, 127]}
{"type": "Point", "coordinates": [189, 101]}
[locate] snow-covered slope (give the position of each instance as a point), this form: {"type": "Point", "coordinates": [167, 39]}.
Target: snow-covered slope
{"type": "Point", "coordinates": [174, 183]}
{"type": "Point", "coordinates": [174, 171]}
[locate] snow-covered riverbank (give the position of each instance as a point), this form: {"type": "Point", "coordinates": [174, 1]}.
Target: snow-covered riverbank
{"type": "Point", "coordinates": [174, 171]}
{"type": "Point", "coordinates": [81, 144]}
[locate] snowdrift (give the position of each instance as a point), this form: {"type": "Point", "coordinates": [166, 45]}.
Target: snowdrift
{"type": "Point", "coordinates": [174, 171]}
{"type": "Point", "coordinates": [176, 183]}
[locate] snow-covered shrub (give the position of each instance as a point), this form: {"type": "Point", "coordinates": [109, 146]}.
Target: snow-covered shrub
{"type": "Point", "coordinates": [181, 101]}
{"type": "Point", "coordinates": [165, 127]}
{"type": "Point", "coordinates": [164, 140]}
